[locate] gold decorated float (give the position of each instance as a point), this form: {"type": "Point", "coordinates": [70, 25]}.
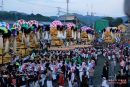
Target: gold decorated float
{"type": "Point", "coordinates": [56, 33]}
{"type": "Point", "coordinates": [5, 35]}
{"type": "Point", "coordinates": [111, 34]}
{"type": "Point", "coordinates": [87, 34]}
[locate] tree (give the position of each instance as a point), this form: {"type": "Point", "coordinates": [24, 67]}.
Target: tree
{"type": "Point", "coordinates": [117, 22]}
{"type": "Point", "coordinates": [110, 19]}
{"type": "Point", "coordinates": [127, 21]}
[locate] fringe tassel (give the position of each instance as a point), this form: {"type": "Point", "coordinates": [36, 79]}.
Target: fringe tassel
{"type": "Point", "coordinates": [78, 35]}
{"type": "Point", "coordinates": [89, 37]}
{"type": "Point", "coordinates": [35, 39]}
{"type": "Point", "coordinates": [112, 35]}
{"type": "Point", "coordinates": [28, 41]}
{"type": "Point", "coordinates": [38, 35]}
{"type": "Point", "coordinates": [46, 35]}
{"type": "Point", "coordinates": [23, 38]}
{"type": "Point", "coordinates": [7, 45]}
{"type": "Point", "coordinates": [43, 35]}
{"type": "Point", "coordinates": [72, 34]}
{"type": "Point", "coordinates": [75, 35]}
{"type": "Point", "coordinates": [58, 34]}
{"type": "Point", "coordinates": [64, 35]}
{"type": "Point", "coordinates": [103, 35]}
{"type": "Point", "coordinates": [15, 44]}
{"type": "Point", "coordinates": [1, 42]}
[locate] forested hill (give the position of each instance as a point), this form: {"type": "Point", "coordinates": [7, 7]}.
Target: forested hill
{"type": "Point", "coordinates": [13, 16]}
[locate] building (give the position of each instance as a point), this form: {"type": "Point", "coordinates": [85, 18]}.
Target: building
{"type": "Point", "coordinates": [71, 18]}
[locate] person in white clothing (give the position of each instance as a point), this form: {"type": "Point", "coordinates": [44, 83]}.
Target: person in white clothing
{"type": "Point", "coordinates": [105, 83]}
{"type": "Point", "coordinates": [80, 72]}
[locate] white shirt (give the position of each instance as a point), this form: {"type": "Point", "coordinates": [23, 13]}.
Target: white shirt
{"type": "Point", "coordinates": [104, 83]}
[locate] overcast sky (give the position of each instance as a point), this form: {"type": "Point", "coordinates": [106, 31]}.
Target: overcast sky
{"type": "Point", "coordinates": [49, 7]}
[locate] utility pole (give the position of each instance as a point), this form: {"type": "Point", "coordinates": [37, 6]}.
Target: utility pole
{"type": "Point", "coordinates": [87, 23]}
{"type": "Point", "coordinates": [67, 10]}
{"type": "Point", "coordinates": [67, 7]}
{"type": "Point", "coordinates": [2, 5]}
{"type": "Point", "coordinates": [92, 15]}
{"type": "Point", "coordinates": [58, 11]}
{"type": "Point", "coordinates": [87, 19]}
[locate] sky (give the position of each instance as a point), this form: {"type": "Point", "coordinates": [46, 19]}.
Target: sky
{"type": "Point", "coordinates": [112, 8]}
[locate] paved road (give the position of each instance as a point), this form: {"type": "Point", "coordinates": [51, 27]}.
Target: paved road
{"type": "Point", "coordinates": [98, 71]}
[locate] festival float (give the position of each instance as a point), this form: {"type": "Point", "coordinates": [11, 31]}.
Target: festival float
{"type": "Point", "coordinates": [84, 35]}
{"type": "Point", "coordinates": [70, 33]}
{"type": "Point", "coordinates": [56, 32]}
{"type": "Point", "coordinates": [111, 34]}
{"type": "Point", "coordinates": [87, 34]}
{"type": "Point", "coordinates": [21, 42]}
{"type": "Point", "coordinates": [35, 34]}
{"type": "Point", "coordinates": [116, 33]}
{"type": "Point", "coordinates": [90, 33]}
{"type": "Point", "coordinates": [5, 35]}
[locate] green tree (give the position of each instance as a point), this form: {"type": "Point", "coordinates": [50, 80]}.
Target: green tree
{"type": "Point", "coordinates": [117, 22]}
{"type": "Point", "coordinates": [110, 19]}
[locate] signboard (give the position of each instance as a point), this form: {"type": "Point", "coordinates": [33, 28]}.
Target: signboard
{"type": "Point", "coordinates": [100, 25]}
{"type": "Point", "coordinates": [70, 18]}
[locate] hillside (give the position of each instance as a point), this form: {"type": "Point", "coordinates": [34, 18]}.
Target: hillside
{"type": "Point", "coordinates": [13, 16]}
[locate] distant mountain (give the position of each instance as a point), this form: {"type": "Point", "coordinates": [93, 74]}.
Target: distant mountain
{"type": "Point", "coordinates": [87, 19]}
{"type": "Point", "coordinates": [53, 17]}
{"type": "Point", "coordinates": [14, 15]}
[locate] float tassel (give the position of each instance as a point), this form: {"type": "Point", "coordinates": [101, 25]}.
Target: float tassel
{"type": "Point", "coordinates": [14, 45]}
{"type": "Point", "coordinates": [7, 45]}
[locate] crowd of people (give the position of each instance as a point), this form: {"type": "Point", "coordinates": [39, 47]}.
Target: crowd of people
{"type": "Point", "coordinates": [117, 55]}
{"type": "Point", "coordinates": [73, 68]}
